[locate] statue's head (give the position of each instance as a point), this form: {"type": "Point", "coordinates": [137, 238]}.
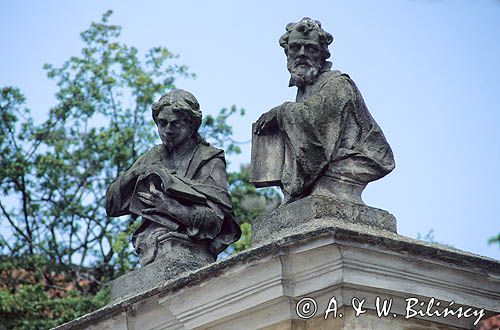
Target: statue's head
{"type": "Point", "coordinates": [306, 47]}
{"type": "Point", "coordinates": [178, 116]}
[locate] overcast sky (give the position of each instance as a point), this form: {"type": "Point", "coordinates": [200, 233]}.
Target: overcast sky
{"type": "Point", "coordinates": [429, 72]}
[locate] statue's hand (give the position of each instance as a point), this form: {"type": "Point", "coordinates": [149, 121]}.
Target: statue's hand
{"type": "Point", "coordinates": [154, 197]}
{"type": "Point", "coordinates": [163, 204]}
{"type": "Point", "coordinates": [266, 121]}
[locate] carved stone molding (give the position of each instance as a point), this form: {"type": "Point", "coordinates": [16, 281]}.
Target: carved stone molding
{"type": "Point", "coordinates": [261, 287]}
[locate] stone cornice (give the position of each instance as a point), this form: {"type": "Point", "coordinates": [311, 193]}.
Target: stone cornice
{"type": "Point", "coordinates": [335, 260]}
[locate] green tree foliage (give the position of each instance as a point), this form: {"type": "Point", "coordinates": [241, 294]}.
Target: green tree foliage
{"type": "Point", "coordinates": [495, 240]}
{"type": "Point", "coordinates": [429, 237]}
{"type": "Point", "coordinates": [29, 299]}
{"type": "Point", "coordinates": [54, 174]}
{"type": "Point", "coordinates": [57, 172]}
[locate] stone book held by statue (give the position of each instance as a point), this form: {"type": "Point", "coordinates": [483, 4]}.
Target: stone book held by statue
{"type": "Point", "coordinates": [268, 157]}
{"type": "Point", "coordinates": [161, 179]}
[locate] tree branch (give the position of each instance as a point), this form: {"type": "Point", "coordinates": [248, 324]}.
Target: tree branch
{"type": "Point", "coordinates": [19, 230]}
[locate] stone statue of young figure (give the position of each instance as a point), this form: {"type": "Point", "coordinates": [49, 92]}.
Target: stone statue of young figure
{"type": "Point", "coordinates": [332, 145]}
{"type": "Point", "coordinates": [179, 188]}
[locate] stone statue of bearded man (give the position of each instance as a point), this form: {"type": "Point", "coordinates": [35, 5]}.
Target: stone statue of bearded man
{"type": "Point", "coordinates": [326, 142]}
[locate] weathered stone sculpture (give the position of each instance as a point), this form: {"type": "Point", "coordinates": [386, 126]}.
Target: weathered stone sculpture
{"type": "Point", "coordinates": [323, 260]}
{"type": "Point", "coordinates": [326, 142]}
{"type": "Point", "coordinates": [179, 188]}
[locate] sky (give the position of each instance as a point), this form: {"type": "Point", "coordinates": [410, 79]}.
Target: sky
{"type": "Point", "coordinates": [429, 72]}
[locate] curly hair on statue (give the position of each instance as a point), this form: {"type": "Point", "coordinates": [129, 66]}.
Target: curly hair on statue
{"type": "Point", "coordinates": [305, 26]}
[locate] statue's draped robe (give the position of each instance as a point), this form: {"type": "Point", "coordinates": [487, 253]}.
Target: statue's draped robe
{"type": "Point", "coordinates": [206, 173]}
{"type": "Point", "coordinates": [328, 131]}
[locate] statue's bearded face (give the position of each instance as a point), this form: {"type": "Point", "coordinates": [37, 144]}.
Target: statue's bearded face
{"type": "Point", "coordinates": [304, 58]}
{"type": "Point", "coordinates": [173, 128]}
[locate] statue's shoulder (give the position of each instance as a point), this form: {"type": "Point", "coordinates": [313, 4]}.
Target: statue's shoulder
{"type": "Point", "coordinates": [336, 81]}
{"type": "Point", "coordinates": [337, 75]}
{"type": "Point", "coordinates": [158, 151]}
{"type": "Point", "coordinates": [159, 148]}
{"type": "Point", "coordinates": [207, 151]}
{"type": "Point", "coordinates": [155, 155]}
{"type": "Point", "coordinates": [205, 155]}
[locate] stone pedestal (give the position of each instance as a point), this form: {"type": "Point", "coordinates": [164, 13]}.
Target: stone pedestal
{"type": "Point", "coordinates": [266, 287]}
{"type": "Point", "coordinates": [315, 212]}
{"type": "Point", "coordinates": [179, 255]}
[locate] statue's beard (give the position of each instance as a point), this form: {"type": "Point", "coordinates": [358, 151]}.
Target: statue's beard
{"type": "Point", "coordinates": [303, 72]}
